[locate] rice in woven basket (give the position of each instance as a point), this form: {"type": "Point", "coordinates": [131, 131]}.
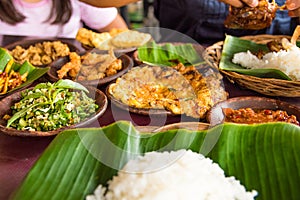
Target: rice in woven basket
{"type": "Point", "coordinates": [266, 86]}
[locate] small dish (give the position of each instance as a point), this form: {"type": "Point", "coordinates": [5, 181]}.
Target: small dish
{"type": "Point", "coordinates": [127, 64]}
{"type": "Point", "coordinates": [7, 102]}
{"type": "Point", "coordinates": [216, 116]}
{"type": "Point", "coordinates": [33, 74]}
{"type": "Point", "coordinates": [29, 42]}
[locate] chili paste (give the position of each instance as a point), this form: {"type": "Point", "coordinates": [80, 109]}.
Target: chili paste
{"type": "Point", "coordinates": [250, 116]}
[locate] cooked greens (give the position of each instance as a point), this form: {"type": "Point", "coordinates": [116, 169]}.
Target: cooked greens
{"type": "Point", "coordinates": [51, 106]}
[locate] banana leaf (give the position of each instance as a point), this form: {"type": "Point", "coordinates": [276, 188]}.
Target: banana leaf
{"type": "Point", "coordinates": [169, 54]}
{"type": "Point", "coordinates": [34, 73]}
{"type": "Point", "coordinates": [264, 157]}
{"type": "Point", "coordinates": [233, 45]}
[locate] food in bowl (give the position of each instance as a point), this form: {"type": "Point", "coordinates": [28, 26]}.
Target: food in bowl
{"type": "Point", "coordinates": [179, 174]}
{"type": "Point", "coordinates": [179, 89]}
{"type": "Point", "coordinates": [41, 53]}
{"type": "Point", "coordinates": [48, 107]}
{"type": "Point", "coordinates": [250, 116]}
{"type": "Point", "coordinates": [10, 77]}
{"type": "Point", "coordinates": [90, 66]}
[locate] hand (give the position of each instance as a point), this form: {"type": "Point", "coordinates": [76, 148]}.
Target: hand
{"type": "Point", "coordinates": [240, 3]}
{"type": "Point", "coordinates": [294, 7]}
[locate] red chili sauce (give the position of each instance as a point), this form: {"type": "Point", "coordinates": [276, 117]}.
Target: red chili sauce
{"type": "Point", "coordinates": [250, 116]}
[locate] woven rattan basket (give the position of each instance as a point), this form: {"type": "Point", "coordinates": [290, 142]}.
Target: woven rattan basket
{"type": "Point", "coordinates": [266, 86]}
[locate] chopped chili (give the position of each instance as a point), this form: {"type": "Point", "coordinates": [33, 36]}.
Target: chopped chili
{"type": "Point", "coordinates": [250, 116]}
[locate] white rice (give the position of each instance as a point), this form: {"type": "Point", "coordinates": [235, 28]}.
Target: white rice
{"type": "Point", "coordinates": [191, 176]}
{"type": "Point", "coordinates": [287, 61]}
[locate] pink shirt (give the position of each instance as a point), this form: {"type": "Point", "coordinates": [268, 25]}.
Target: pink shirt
{"type": "Point", "coordinates": [37, 13]}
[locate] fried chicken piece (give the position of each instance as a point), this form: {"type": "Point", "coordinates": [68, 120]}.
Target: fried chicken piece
{"type": "Point", "coordinates": [60, 49]}
{"type": "Point", "coordinates": [71, 68]}
{"type": "Point", "coordinates": [91, 38]}
{"type": "Point", "coordinates": [114, 67]}
{"type": "Point", "coordinates": [84, 36]}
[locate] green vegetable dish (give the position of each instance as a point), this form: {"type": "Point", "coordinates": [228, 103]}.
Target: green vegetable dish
{"type": "Point", "coordinates": [51, 106]}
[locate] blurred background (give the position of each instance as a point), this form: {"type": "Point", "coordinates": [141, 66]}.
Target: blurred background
{"type": "Point", "coordinates": [139, 14]}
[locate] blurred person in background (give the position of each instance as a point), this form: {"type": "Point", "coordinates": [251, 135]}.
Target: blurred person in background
{"type": "Point", "coordinates": [203, 20]}
{"type": "Point", "coordinates": [55, 18]}
{"type": "Point", "coordinates": [109, 3]}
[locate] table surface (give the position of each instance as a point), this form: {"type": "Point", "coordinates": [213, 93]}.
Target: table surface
{"type": "Point", "coordinates": [18, 154]}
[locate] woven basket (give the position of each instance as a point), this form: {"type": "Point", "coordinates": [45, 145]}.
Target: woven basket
{"type": "Point", "coordinates": [266, 86]}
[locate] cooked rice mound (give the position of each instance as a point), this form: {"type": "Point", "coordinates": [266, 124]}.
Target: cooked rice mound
{"type": "Point", "coordinates": [286, 61]}
{"type": "Point", "coordinates": [175, 175]}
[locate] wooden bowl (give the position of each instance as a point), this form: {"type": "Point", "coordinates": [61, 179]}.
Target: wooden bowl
{"type": "Point", "coordinates": [28, 42]}
{"type": "Point", "coordinates": [127, 64]}
{"type": "Point", "coordinates": [216, 116]}
{"type": "Point", "coordinates": [7, 102]}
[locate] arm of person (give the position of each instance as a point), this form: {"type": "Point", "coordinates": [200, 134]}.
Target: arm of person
{"type": "Point", "coordinates": [239, 3]}
{"type": "Point", "coordinates": [108, 3]}
{"type": "Point", "coordinates": [294, 7]}
{"type": "Point", "coordinates": [117, 23]}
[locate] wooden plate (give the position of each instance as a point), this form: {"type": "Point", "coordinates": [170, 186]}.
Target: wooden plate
{"type": "Point", "coordinates": [7, 102]}
{"type": "Point", "coordinates": [216, 116]}
{"type": "Point", "coordinates": [127, 64]}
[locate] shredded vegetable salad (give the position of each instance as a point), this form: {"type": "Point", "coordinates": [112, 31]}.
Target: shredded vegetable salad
{"type": "Point", "coordinates": [51, 106]}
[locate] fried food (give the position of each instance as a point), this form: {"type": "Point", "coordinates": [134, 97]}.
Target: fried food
{"type": "Point", "coordinates": [90, 66]}
{"type": "Point", "coordinates": [256, 18]}
{"type": "Point", "coordinates": [116, 38]}
{"type": "Point", "coordinates": [92, 38]}
{"type": "Point", "coordinates": [130, 39]}
{"type": "Point", "coordinates": [40, 53]}
{"type": "Point", "coordinates": [72, 68]}
{"type": "Point", "coordinates": [115, 31]}
{"type": "Point", "coordinates": [179, 89]}
{"type": "Point", "coordinates": [11, 80]}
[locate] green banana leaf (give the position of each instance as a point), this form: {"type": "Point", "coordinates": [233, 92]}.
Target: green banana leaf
{"type": "Point", "coordinates": [233, 45]}
{"type": "Point", "coordinates": [264, 157]}
{"type": "Point", "coordinates": [4, 59]}
{"type": "Point", "coordinates": [169, 54]}
{"type": "Point", "coordinates": [34, 73]}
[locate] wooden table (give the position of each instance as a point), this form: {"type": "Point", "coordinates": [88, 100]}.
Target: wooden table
{"type": "Point", "coordinates": [18, 154]}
